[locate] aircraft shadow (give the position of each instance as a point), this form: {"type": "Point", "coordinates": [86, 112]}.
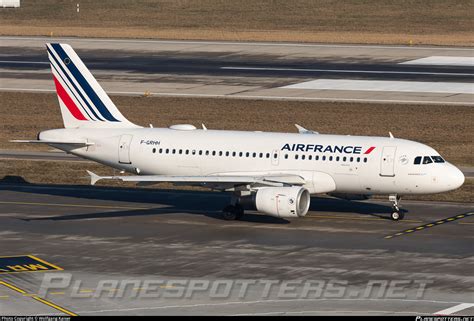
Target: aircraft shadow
{"type": "Point", "coordinates": [174, 201]}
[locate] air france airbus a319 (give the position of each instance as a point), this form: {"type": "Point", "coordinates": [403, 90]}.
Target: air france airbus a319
{"type": "Point", "coordinates": [276, 173]}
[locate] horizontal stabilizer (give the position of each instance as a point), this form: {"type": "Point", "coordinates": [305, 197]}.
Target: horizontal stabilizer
{"type": "Point", "coordinates": [80, 143]}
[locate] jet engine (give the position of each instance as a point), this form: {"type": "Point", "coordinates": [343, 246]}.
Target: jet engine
{"type": "Point", "coordinates": [283, 201]}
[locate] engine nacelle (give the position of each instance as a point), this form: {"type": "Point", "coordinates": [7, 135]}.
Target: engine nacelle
{"type": "Point", "coordinates": [283, 201]}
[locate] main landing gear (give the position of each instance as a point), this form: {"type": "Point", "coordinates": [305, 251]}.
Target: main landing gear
{"type": "Point", "coordinates": [234, 211]}
{"type": "Point", "coordinates": [396, 214]}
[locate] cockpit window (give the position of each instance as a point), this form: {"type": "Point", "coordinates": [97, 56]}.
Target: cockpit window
{"type": "Point", "coordinates": [437, 159]}
{"type": "Point", "coordinates": [417, 160]}
{"type": "Point", "coordinates": [427, 160]}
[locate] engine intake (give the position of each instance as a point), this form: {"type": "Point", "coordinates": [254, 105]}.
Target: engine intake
{"type": "Point", "coordinates": [283, 201]}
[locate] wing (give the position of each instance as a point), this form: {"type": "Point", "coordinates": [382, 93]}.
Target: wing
{"type": "Point", "coordinates": [221, 182]}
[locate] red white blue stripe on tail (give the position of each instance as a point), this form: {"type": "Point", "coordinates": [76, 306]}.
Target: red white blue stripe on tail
{"type": "Point", "coordinates": [83, 101]}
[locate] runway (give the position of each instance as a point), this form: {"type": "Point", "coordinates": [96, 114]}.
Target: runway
{"type": "Point", "coordinates": [177, 237]}
{"type": "Point", "coordinates": [252, 70]}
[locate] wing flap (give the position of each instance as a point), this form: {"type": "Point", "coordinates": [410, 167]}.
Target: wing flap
{"type": "Point", "coordinates": [233, 180]}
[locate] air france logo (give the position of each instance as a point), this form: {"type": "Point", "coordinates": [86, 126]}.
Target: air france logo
{"type": "Point", "coordinates": [326, 148]}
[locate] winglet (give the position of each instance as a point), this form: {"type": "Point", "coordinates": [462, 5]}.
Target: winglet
{"type": "Point", "coordinates": [94, 177]}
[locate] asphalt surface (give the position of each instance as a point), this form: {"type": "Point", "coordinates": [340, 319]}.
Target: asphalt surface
{"type": "Point", "coordinates": [97, 234]}
{"type": "Point", "coordinates": [236, 70]}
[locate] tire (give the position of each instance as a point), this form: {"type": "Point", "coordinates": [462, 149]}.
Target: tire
{"type": "Point", "coordinates": [239, 210]}
{"type": "Point", "coordinates": [229, 213]}
{"type": "Point", "coordinates": [396, 216]}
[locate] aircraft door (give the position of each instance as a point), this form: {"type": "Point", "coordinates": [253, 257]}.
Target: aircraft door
{"type": "Point", "coordinates": [387, 162]}
{"type": "Point", "coordinates": [124, 149]}
{"type": "Point", "coordinates": [275, 157]}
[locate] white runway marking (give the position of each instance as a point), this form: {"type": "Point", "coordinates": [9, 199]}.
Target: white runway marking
{"type": "Point", "coordinates": [381, 72]}
{"type": "Point", "coordinates": [455, 309]}
{"type": "Point", "coordinates": [442, 60]}
{"type": "Point", "coordinates": [386, 85]}
{"type": "Point", "coordinates": [256, 302]}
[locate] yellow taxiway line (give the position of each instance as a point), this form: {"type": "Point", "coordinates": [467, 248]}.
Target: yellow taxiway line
{"type": "Point", "coordinates": [37, 298]}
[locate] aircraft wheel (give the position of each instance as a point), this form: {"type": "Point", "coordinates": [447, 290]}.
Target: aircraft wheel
{"type": "Point", "coordinates": [239, 212]}
{"type": "Point", "coordinates": [396, 216]}
{"type": "Point", "coordinates": [229, 213]}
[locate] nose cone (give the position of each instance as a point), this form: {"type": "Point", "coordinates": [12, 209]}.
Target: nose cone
{"type": "Point", "coordinates": [454, 177]}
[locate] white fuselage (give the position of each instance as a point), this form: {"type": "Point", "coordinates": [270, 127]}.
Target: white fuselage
{"type": "Point", "coordinates": [328, 163]}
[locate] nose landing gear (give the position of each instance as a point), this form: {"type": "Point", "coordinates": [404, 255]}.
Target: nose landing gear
{"type": "Point", "coordinates": [396, 214]}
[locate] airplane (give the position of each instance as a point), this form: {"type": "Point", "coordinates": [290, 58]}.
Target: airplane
{"type": "Point", "coordinates": [274, 173]}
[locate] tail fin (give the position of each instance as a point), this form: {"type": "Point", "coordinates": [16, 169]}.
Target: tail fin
{"type": "Point", "coordinates": [83, 102]}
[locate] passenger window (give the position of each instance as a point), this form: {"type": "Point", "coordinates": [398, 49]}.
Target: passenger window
{"type": "Point", "coordinates": [310, 157]}
{"type": "Point", "coordinates": [352, 159]}
{"type": "Point", "coordinates": [337, 158]}
{"type": "Point", "coordinates": [417, 160]}
{"type": "Point", "coordinates": [317, 157]}
{"type": "Point", "coordinates": [233, 154]}
{"type": "Point", "coordinates": [296, 156]}
{"type": "Point", "coordinates": [180, 151]}
{"type": "Point", "coordinates": [365, 159]}
{"type": "Point", "coordinates": [303, 157]}
{"type": "Point", "coordinates": [427, 160]}
{"type": "Point", "coordinates": [187, 151]}
{"type": "Point", "coordinates": [254, 155]}
{"type": "Point", "coordinates": [286, 156]}
{"type": "Point", "coordinates": [437, 159]}
{"type": "Point", "coordinates": [174, 151]}
{"type": "Point", "coordinates": [207, 152]}
{"type": "Point", "coordinates": [330, 158]}
{"type": "Point", "coordinates": [261, 155]}
{"type": "Point", "coordinates": [268, 155]}
{"type": "Point", "coordinates": [241, 154]}
{"type": "Point", "coordinates": [194, 152]}
{"type": "Point", "coordinates": [213, 153]}
{"type": "Point", "coordinates": [324, 157]}
{"type": "Point", "coordinates": [227, 154]}
{"type": "Point", "coordinates": [344, 158]}
{"type": "Point", "coordinates": [200, 152]}
{"type": "Point", "coordinates": [358, 159]}
{"type": "Point", "coordinates": [161, 150]}
{"type": "Point", "coordinates": [167, 151]}
{"type": "Point", "coordinates": [275, 156]}
{"type": "Point", "coordinates": [220, 153]}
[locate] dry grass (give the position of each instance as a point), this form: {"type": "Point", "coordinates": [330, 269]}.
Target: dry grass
{"type": "Point", "coordinates": [52, 172]}
{"type": "Point", "coordinates": [446, 128]}
{"type": "Point", "coordinates": [367, 21]}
